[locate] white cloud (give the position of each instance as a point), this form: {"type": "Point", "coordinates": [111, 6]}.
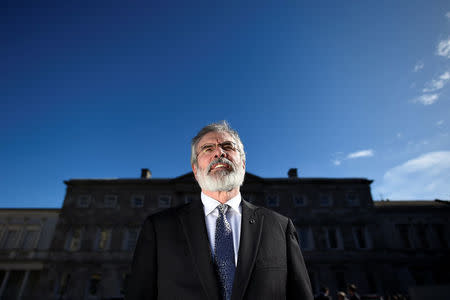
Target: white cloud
{"type": "Point", "coordinates": [362, 153]}
{"type": "Point", "coordinates": [448, 15]}
{"type": "Point", "coordinates": [399, 135]}
{"type": "Point", "coordinates": [419, 66]}
{"type": "Point", "coordinates": [340, 157]}
{"type": "Point", "coordinates": [337, 162]}
{"type": "Point", "coordinates": [424, 177]}
{"type": "Point", "coordinates": [427, 99]}
{"type": "Point", "coordinates": [437, 84]}
{"type": "Point", "coordinates": [445, 76]}
{"type": "Point", "coordinates": [439, 123]}
{"type": "Point", "coordinates": [444, 48]}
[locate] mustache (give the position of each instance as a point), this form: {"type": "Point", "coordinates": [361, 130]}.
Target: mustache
{"type": "Point", "coordinates": [221, 160]}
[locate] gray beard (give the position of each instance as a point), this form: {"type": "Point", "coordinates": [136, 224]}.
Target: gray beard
{"type": "Point", "coordinates": [222, 180]}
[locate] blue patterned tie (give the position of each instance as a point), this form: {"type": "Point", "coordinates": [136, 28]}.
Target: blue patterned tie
{"type": "Point", "coordinates": [224, 252]}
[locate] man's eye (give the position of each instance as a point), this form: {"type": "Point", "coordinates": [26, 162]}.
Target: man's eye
{"type": "Point", "coordinates": [208, 149]}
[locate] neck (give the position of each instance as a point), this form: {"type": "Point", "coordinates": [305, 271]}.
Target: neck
{"type": "Point", "coordinates": [222, 196]}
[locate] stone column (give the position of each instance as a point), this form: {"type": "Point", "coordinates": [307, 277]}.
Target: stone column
{"type": "Point", "coordinates": [23, 285]}
{"type": "Point", "coordinates": [4, 282]}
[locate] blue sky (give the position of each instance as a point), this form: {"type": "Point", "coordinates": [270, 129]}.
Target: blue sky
{"type": "Point", "coordinates": [335, 89]}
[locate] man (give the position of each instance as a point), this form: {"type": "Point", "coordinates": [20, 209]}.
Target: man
{"type": "Point", "coordinates": [324, 294]}
{"type": "Point", "coordinates": [352, 294]}
{"type": "Point", "coordinates": [341, 296]}
{"type": "Point", "coordinates": [219, 247]}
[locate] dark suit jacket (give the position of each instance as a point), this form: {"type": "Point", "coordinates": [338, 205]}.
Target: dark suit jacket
{"type": "Point", "coordinates": [173, 259]}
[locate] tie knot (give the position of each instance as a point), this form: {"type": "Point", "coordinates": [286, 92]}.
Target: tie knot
{"type": "Point", "coordinates": [222, 208]}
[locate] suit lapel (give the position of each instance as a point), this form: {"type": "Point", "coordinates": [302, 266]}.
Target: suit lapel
{"type": "Point", "coordinates": [194, 227]}
{"type": "Point", "coordinates": [251, 229]}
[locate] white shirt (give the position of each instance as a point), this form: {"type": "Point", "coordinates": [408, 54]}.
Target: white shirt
{"type": "Point", "coordinates": [233, 215]}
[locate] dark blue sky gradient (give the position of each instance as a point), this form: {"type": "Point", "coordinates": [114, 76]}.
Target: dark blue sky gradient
{"type": "Point", "coordinates": [102, 89]}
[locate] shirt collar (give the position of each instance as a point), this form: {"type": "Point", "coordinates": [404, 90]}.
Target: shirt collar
{"type": "Point", "coordinates": [210, 204]}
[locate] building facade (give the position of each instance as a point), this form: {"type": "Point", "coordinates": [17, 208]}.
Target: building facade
{"type": "Point", "coordinates": [384, 247]}
{"type": "Point", "coordinates": [25, 237]}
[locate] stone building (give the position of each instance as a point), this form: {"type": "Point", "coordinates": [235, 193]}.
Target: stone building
{"type": "Point", "coordinates": [25, 237]}
{"type": "Point", "coordinates": [383, 247]}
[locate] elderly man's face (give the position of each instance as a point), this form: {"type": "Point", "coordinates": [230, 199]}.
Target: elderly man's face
{"type": "Point", "coordinates": [219, 164]}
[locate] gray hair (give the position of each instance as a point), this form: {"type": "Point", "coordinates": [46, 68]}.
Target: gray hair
{"type": "Point", "coordinates": [221, 126]}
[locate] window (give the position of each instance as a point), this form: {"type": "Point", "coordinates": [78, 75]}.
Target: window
{"type": "Point", "coordinates": [94, 284]}
{"type": "Point", "coordinates": [361, 238]}
{"type": "Point", "coordinates": [325, 199]}
{"type": "Point", "coordinates": [74, 240]}
{"type": "Point", "coordinates": [333, 238]}
{"type": "Point", "coordinates": [12, 238]}
{"type": "Point", "coordinates": [137, 201]}
{"type": "Point", "coordinates": [131, 237]}
{"type": "Point", "coordinates": [440, 234]}
{"type": "Point", "coordinates": [299, 200]}
{"type": "Point", "coordinates": [14, 283]}
{"type": "Point", "coordinates": [403, 230]}
{"type": "Point", "coordinates": [371, 282]}
{"type": "Point", "coordinates": [124, 285]}
{"type": "Point", "coordinates": [422, 236]}
{"type": "Point", "coordinates": [340, 281]}
{"type": "Point", "coordinates": [305, 238]}
{"type": "Point", "coordinates": [272, 201]}
{"type": "Point", "coordinates": [110, 201]}
{"type": "Point", "coordinates": [103, 239]}
{"type": "Point", "coordinates": [314, 281]}
{"type": "Point", "coordinates": [30, 240]}
{"type": "Point", "coordinates": [2, 233]}
{"type": "Point", "coordinates": [62, 285]}
{"type": "Point", "coordinates": [84, 201]}
{"type": "Point", "coordinates": [164, 201]}
{"type": "Point", "coordinates": [352, 199]}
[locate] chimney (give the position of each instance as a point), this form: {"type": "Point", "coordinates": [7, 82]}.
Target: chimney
{"type": "Point", "coordinates": [292, 173]}
{"type": "Point", "coordinates": [146, 174]}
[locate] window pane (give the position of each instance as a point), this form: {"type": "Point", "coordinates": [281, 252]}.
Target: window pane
{"type": "Point", "coordinates": [30, 239]}
{"type": "Point", "coordinates": [299, 200]}
{"type": "Point", "coordinates": [440, 233]}
{"type": "Point", "coordinates": [325, 199]}
{"type": "Point", "coordinates": [110, 201]}
{"type": "Point", "coordinates": [12, 237]}
{"type": "Point", "coordinates": [84, 201]}
{"type": "Point", "coordinates": [13, 287]}
{"type": "Point", "coordinates": [75, 241]}
{"type": "Point", "coordinates": [341, 282]}
{"type": "Point", "coordinates": [94, 284]}
{"type": "Point", "coordinates": [137, 201]}
{"type": "Point", "coordinates": [332, 238]}
{"type": "Point", "coordinates": [403, 230]}
{"type": "Point", "coordinates": [103, 239]}
{"type": "Point", "coordinates": [303, 235]}
{"type": "Point", "coordinates": [272, 201]}
{"type": "Point", "coordinates": [360, 238]}
{"type": "Point", "coordinates": [164, 201]}
{"type": "Point", "coordinates": [422, 235]}
{"type": "Point", "coordinates": [132, 239]}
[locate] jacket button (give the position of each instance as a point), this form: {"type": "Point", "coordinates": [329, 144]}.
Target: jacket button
{"type": "Point", "coordinates": [252, 221]}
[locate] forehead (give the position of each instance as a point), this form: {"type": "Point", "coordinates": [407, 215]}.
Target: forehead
{"type": "Point", "coordinates": [215, 137]}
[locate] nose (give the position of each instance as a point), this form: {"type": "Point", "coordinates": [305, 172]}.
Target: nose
{"type": "Point", "coordinates": [219, 152]}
